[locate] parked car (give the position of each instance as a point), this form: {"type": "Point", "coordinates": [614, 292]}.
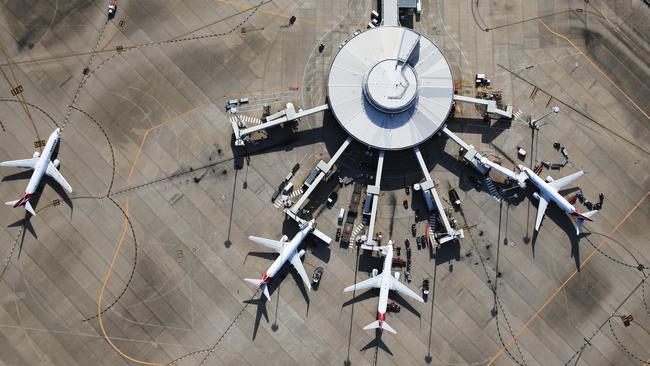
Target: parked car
{"type": "Point", "coordinates": [338, 234]}
{"type": "Point", "coordinates": [407, 244]}
{"type": "Point", "coordinates": [406, 204]}
{"type": "Point", "coordinates": [418, 241]}
{"type": "Point", "coordinates": [407, 190]}
{"type": "Point", "coordinates": [423, 241]}
{"type": "Point", "coordinates": [414, 230]}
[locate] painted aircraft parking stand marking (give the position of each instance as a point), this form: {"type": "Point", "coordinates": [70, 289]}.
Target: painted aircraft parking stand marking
{"type": "Point", "coordinates": [122, 238]}
{"type": "Point", "coordinates": [537, 313]}
{"type": "Point", "coordinates": [600, 71]}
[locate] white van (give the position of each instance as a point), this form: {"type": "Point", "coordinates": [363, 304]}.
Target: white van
{"type": "Point", "coordinates": [287, 188]}
{"type": "Point", "coordinates": [341, 216]}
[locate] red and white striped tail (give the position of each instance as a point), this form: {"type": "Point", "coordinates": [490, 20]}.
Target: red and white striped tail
{"type": "Point", "coordinates": [23, 202]}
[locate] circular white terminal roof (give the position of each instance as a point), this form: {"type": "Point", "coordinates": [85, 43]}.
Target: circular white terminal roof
{"type": "Point", "coordinates": [390, 88]}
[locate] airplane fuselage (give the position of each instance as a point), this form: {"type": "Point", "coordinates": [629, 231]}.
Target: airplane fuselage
{"type": "Point", "coordinates": [551, 194]}
{"type": "Point", "coordinates": [288, 251]}
{"type": "Point", "coordinates": [43, 161]}
{"type": "Point", "coordinates": [384, 288]}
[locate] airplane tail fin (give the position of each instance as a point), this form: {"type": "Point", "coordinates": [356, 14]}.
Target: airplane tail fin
{"type": "Point", "coordinates": [22, 202]}
{"type": "Point", "coordinates": [580, 221]}
{"type": "Point", "coordinates": [265, 290]}
{"type": "Point", "coordinates": [253, 281]}
{"type": "Point", "coordinates": [257, 282]}
{"type": "Point", "coordinates": [383, 325]}
{"type": "Point", "coordinates": [29, 208]}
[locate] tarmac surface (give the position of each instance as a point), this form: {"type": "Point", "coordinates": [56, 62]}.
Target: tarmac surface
{"type": "Point", "coordinates": [144, 262]}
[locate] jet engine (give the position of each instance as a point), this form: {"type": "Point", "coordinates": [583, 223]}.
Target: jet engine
{"type": "Point", "coordinates": [301, 253]}
{"type": "Point", "coordinates": [36, 154]}
{"type": "Point", "coordinates": [57, 163]}
{"type": "Point", "coordinates": [536, 195]}
{"type": "Point", "coordinates": [374, 272]}
{"type": "Point", "coordinates": [397, 276]}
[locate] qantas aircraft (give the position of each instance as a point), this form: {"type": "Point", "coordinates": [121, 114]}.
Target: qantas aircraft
{"type": "Point", "coordinates": [384, 282]}
{"type": "Point", "coordinates": [288, 251]}
{"type": "Point", "coordinates": [548, 191]}
{"type": "Point", "coordinates": [41, 164]}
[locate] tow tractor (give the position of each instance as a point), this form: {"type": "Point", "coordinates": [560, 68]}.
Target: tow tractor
{"type": "Point", "coordinates": [425, 288]}
{"type": "Point", "coordinates": [112, 9]}
{"type": "Point", "coordinates": [318, 273]}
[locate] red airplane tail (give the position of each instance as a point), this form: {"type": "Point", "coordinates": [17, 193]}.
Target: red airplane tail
{"type": "Point", "coordinates": [23, 202]}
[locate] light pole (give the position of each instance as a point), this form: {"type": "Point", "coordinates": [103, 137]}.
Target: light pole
{"type": "Point", "coordinates": [533, 123]}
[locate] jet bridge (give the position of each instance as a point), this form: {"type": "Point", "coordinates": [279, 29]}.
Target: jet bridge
{"type": "Point", "coordinates": [373, 193]}
{"type": "Point", "coordinates": [390, 12]}
{"type": "Point", "coordinates": [288, 114]}
{"type": "Point", "coordinates": [481, 162]}
{"type": "Point", "coordinates": [431, 198]}
{"type": "Point", "coordinates": [491, 105]}
{"type": "Point", "coordinates": [323, 168]}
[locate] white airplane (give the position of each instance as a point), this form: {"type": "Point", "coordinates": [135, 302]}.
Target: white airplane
{"type": "Point", "coordinates": [41, 164]}
{"type": "Point", "coordinates": [384, 282]}
{"type": "Point", "coordinates": [288, 251]}
{"type": "Point", "coordinates": [548, 191]}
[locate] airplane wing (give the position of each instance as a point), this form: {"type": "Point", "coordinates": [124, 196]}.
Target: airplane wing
{"type": "Point", "coordinates": [403, 289]}
{"type": "Point", "coordinates": [297, 264]}
{"type": "Point", "coordinates": [541, 209]}
{"type": "Point", "coordinates": [53, 172]}
{"type": "Point", "coordinates": [559, 183]}
{"type": "Point", "coordinates": [271, 244]}
{"type": "Point", "coordinates": [366, 284]}
{"type": "Point", "coordinates": [22, 163]}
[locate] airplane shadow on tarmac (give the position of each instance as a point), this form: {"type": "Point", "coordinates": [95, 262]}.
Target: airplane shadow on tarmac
{"type": "Point", "coordinates": [274, 287]}
{"type": "Point", "coordinates": [563, 221]}
{"type": "Point", "coordinates": [374, 293]}
{"type": "Point", "coordinates": [261, 311]}
{"type": "Point", "coordinates": [377, 343]}
{"type": "Point", "coordinates": [25, 222]}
